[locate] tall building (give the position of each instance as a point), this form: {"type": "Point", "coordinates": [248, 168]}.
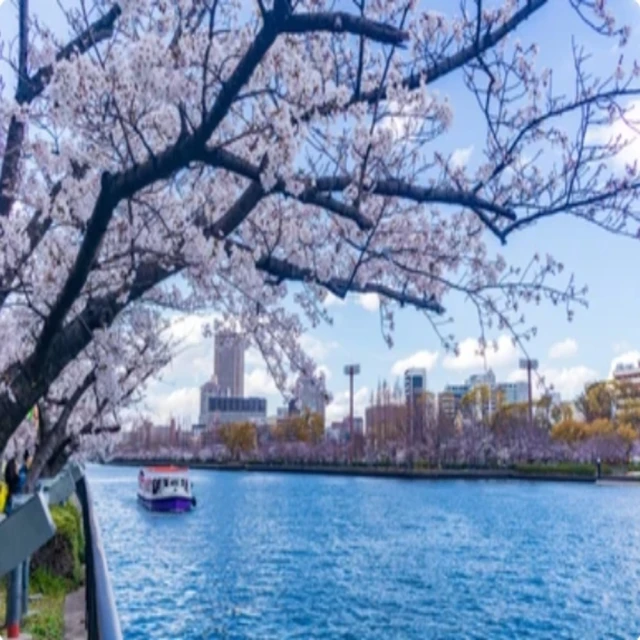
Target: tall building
{"type": "Point", "coordinates": [627, 400]}
{"type": "Point", "coordinates": [488, 378]}
{"type": "Point", "coordinates": [627, 373]}
{"type": "Point", "coordinates": [340, 430]}
{"type": "Point", "coordinates": [488, 395]}
{"type": "Point", "coordinates": [415, 382]}
{"type": "Point", "coordinates": [311, 396]}
{"type": "Point", "coordinates": [450, 400]}
{"type": "Point", "coordinates": [217, 410]}
{"type": "Point", "coordinates": [228, 364]}
{"type": "Point", "coordinates": [514, 392]}
{"type": "Point", "coordinates": [386, 423]}
{"type": "Point", "coordinates": [415, 391]}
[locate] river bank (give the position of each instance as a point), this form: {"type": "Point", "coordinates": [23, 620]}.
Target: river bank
{"type": "Point", "coordinates": [55, 572]}
{"type": "Point", "coordinates": [534, 472]}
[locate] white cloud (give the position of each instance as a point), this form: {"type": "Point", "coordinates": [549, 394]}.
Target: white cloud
{"type": "Point", "coordinates": [469, 358]}
{"type": "Point", "coordinates": [253, 358]}
{"type": "Point", "coordinates": [188, 329]}
{"type": "Point", "coordinates": [259, 383]}
{"type": "Point", "coordinates": [334, 301]}
{"type": "Point", "coordinates": [421, 359]}
{"type": "Point", "coordinates": [316, 348]}
{"type": "Point", "coordinates": [338, 409]}
{"type": "Point", "coordinates": [629, 357]}
{"type": "Point", "coordinates": [619, 129]}
{"type": "Point", "coordinates": [568, 382]}
{"type": "Point", "coordinates": [180, 403]}
{"type": "Point", "coordinates": [621, 347]}
{"type": "Point", "coordinates": [460, 157]}
{"type": "Point", "coordinates": [563, 349]}
{"type": "Point", "coordinates": [369, 301]}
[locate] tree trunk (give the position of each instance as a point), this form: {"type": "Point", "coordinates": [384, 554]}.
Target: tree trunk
{"type": "Point", "coordinates": [50, 443]}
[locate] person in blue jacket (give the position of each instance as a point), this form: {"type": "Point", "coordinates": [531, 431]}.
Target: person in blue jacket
{"type": "Point", "coordinates": [24, 471]}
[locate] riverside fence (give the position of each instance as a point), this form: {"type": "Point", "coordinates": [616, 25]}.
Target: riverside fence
{"type": "Point", "coordinates": [30, 526]}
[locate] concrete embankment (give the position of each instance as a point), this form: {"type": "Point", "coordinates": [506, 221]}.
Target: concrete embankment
{"type": "Point", "coordinates": [388, 472]}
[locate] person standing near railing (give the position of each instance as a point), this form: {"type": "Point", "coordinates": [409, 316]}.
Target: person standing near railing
{"type": "Point", "coordinates": [24, 471]}
{"type": "Point", "coordinates": [4, 490]}
{"type": "Point", "coordinates": [12, 480]}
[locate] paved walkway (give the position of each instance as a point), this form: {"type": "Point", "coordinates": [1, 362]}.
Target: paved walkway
{"type": "Point", "coordinates": [74, 615]}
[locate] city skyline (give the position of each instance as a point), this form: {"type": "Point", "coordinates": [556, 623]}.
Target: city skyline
{"type": "Point", "coordinates": [561, 358]}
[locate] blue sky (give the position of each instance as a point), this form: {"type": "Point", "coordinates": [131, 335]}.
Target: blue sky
{"type": "Point", "coordinates": [569, 353]}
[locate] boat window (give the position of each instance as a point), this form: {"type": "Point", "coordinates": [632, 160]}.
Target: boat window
{"type": "Point", "coordinates": [166, 482]}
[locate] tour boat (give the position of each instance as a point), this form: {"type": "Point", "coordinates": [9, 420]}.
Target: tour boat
{"type": "Point", "coordinates": [166, 489]}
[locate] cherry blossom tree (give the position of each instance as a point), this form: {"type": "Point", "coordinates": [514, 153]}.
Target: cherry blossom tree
{"type": "Point", "coordinates": [247, 147]}
{"type": "Point", "coordinates": [87, 403]}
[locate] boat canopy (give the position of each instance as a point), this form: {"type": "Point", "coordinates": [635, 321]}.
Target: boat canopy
{"type": "Point", "coordinates": [164, 471]}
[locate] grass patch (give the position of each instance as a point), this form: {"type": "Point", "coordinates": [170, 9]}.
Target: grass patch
{"type": "Point", "coordinates": [68, 523]}
{"type": "Point", "coordinates": [46, 618]}
{"type": "Point", "coordinates": [560, 468]}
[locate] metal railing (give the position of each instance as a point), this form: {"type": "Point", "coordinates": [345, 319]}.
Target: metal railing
{"type": "Point", "coordinates": [102, 619]}
{"type": "Point", "coordinates": [30, 526]}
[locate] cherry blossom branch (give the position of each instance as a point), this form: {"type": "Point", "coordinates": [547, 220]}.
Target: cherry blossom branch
{"type": "Point", "coordinates": [387, 188]}
{"type": "Point", "coordinates": [29, 88]}
{"type": "Point", "coordinates": [281, 270]}
{"type": "Point", "coordinates": [442, 67]}
{"type": "Point", "coordinates": [55, 434]}
{"type": "Point", "coordinates": [342, 22]}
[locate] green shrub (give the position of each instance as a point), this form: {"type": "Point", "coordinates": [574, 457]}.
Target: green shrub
{"type": "Point", "coordinates": [62, 556]}
{"type": "Point", "coordinates": [561, 468]}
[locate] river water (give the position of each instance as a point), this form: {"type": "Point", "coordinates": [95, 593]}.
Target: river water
{"type": "Point", "coordinates": [290, 556]}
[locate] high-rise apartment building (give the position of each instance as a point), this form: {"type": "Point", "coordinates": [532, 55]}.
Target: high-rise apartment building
{"type": "Point", "coordinates": [514, 392]}
{"type": "Point", "coordinates": [228, 364]}
{"type": "Point", "coordinates": [311, 396]}
{"type": "Point", "coordinates": [415, 391]}
{"type": "Point", "coordinates": [415, 382]}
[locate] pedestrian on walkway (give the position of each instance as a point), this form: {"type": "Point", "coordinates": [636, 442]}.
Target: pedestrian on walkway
{"type": "Point", "coordinates": [12, 480]}
{"type": "Point", "coordinates": [24, 471]}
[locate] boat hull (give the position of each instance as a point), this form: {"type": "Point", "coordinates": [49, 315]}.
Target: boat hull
{"type": "Point", "coordinates": [168, 504]}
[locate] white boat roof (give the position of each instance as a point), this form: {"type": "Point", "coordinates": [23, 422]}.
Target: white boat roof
{"type": "Point", "coordinates": [167, 471]}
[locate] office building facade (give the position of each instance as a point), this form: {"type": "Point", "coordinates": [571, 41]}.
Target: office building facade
{"type": "Point", "coordinates": [228, 364]}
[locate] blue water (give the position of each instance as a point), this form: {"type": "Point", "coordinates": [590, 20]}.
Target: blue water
{"type": "Point", "coordinates": [280, 556]}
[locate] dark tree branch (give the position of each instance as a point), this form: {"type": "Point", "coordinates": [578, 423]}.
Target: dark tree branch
{"type": "Point", "coordinates": [317, 194]}
{"type": "Point", "coordinates": [280, 270]}
{"type": "Point", "coordinates": [51, 437]}
{"type": "Point", "coordinates": [342, 22]}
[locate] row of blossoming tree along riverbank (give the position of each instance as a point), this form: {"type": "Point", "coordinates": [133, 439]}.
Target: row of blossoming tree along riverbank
{"type": "Point", "coordinates": [252, 160]}
{"type": "Point", "coordinates": [503, 438]}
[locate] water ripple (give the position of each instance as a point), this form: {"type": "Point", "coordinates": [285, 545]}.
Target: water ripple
{"type": "Point", "coordinates": [311, 557]}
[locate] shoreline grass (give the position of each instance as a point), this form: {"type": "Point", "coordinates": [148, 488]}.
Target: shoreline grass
{"type": "Point", "coordinates": [45, 617]}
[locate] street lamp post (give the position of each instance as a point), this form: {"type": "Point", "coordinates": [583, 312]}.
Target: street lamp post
{"type": "Point", "coordinates": [529, 365]}
{"type": "Point", "coordinates": [351, 370]}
